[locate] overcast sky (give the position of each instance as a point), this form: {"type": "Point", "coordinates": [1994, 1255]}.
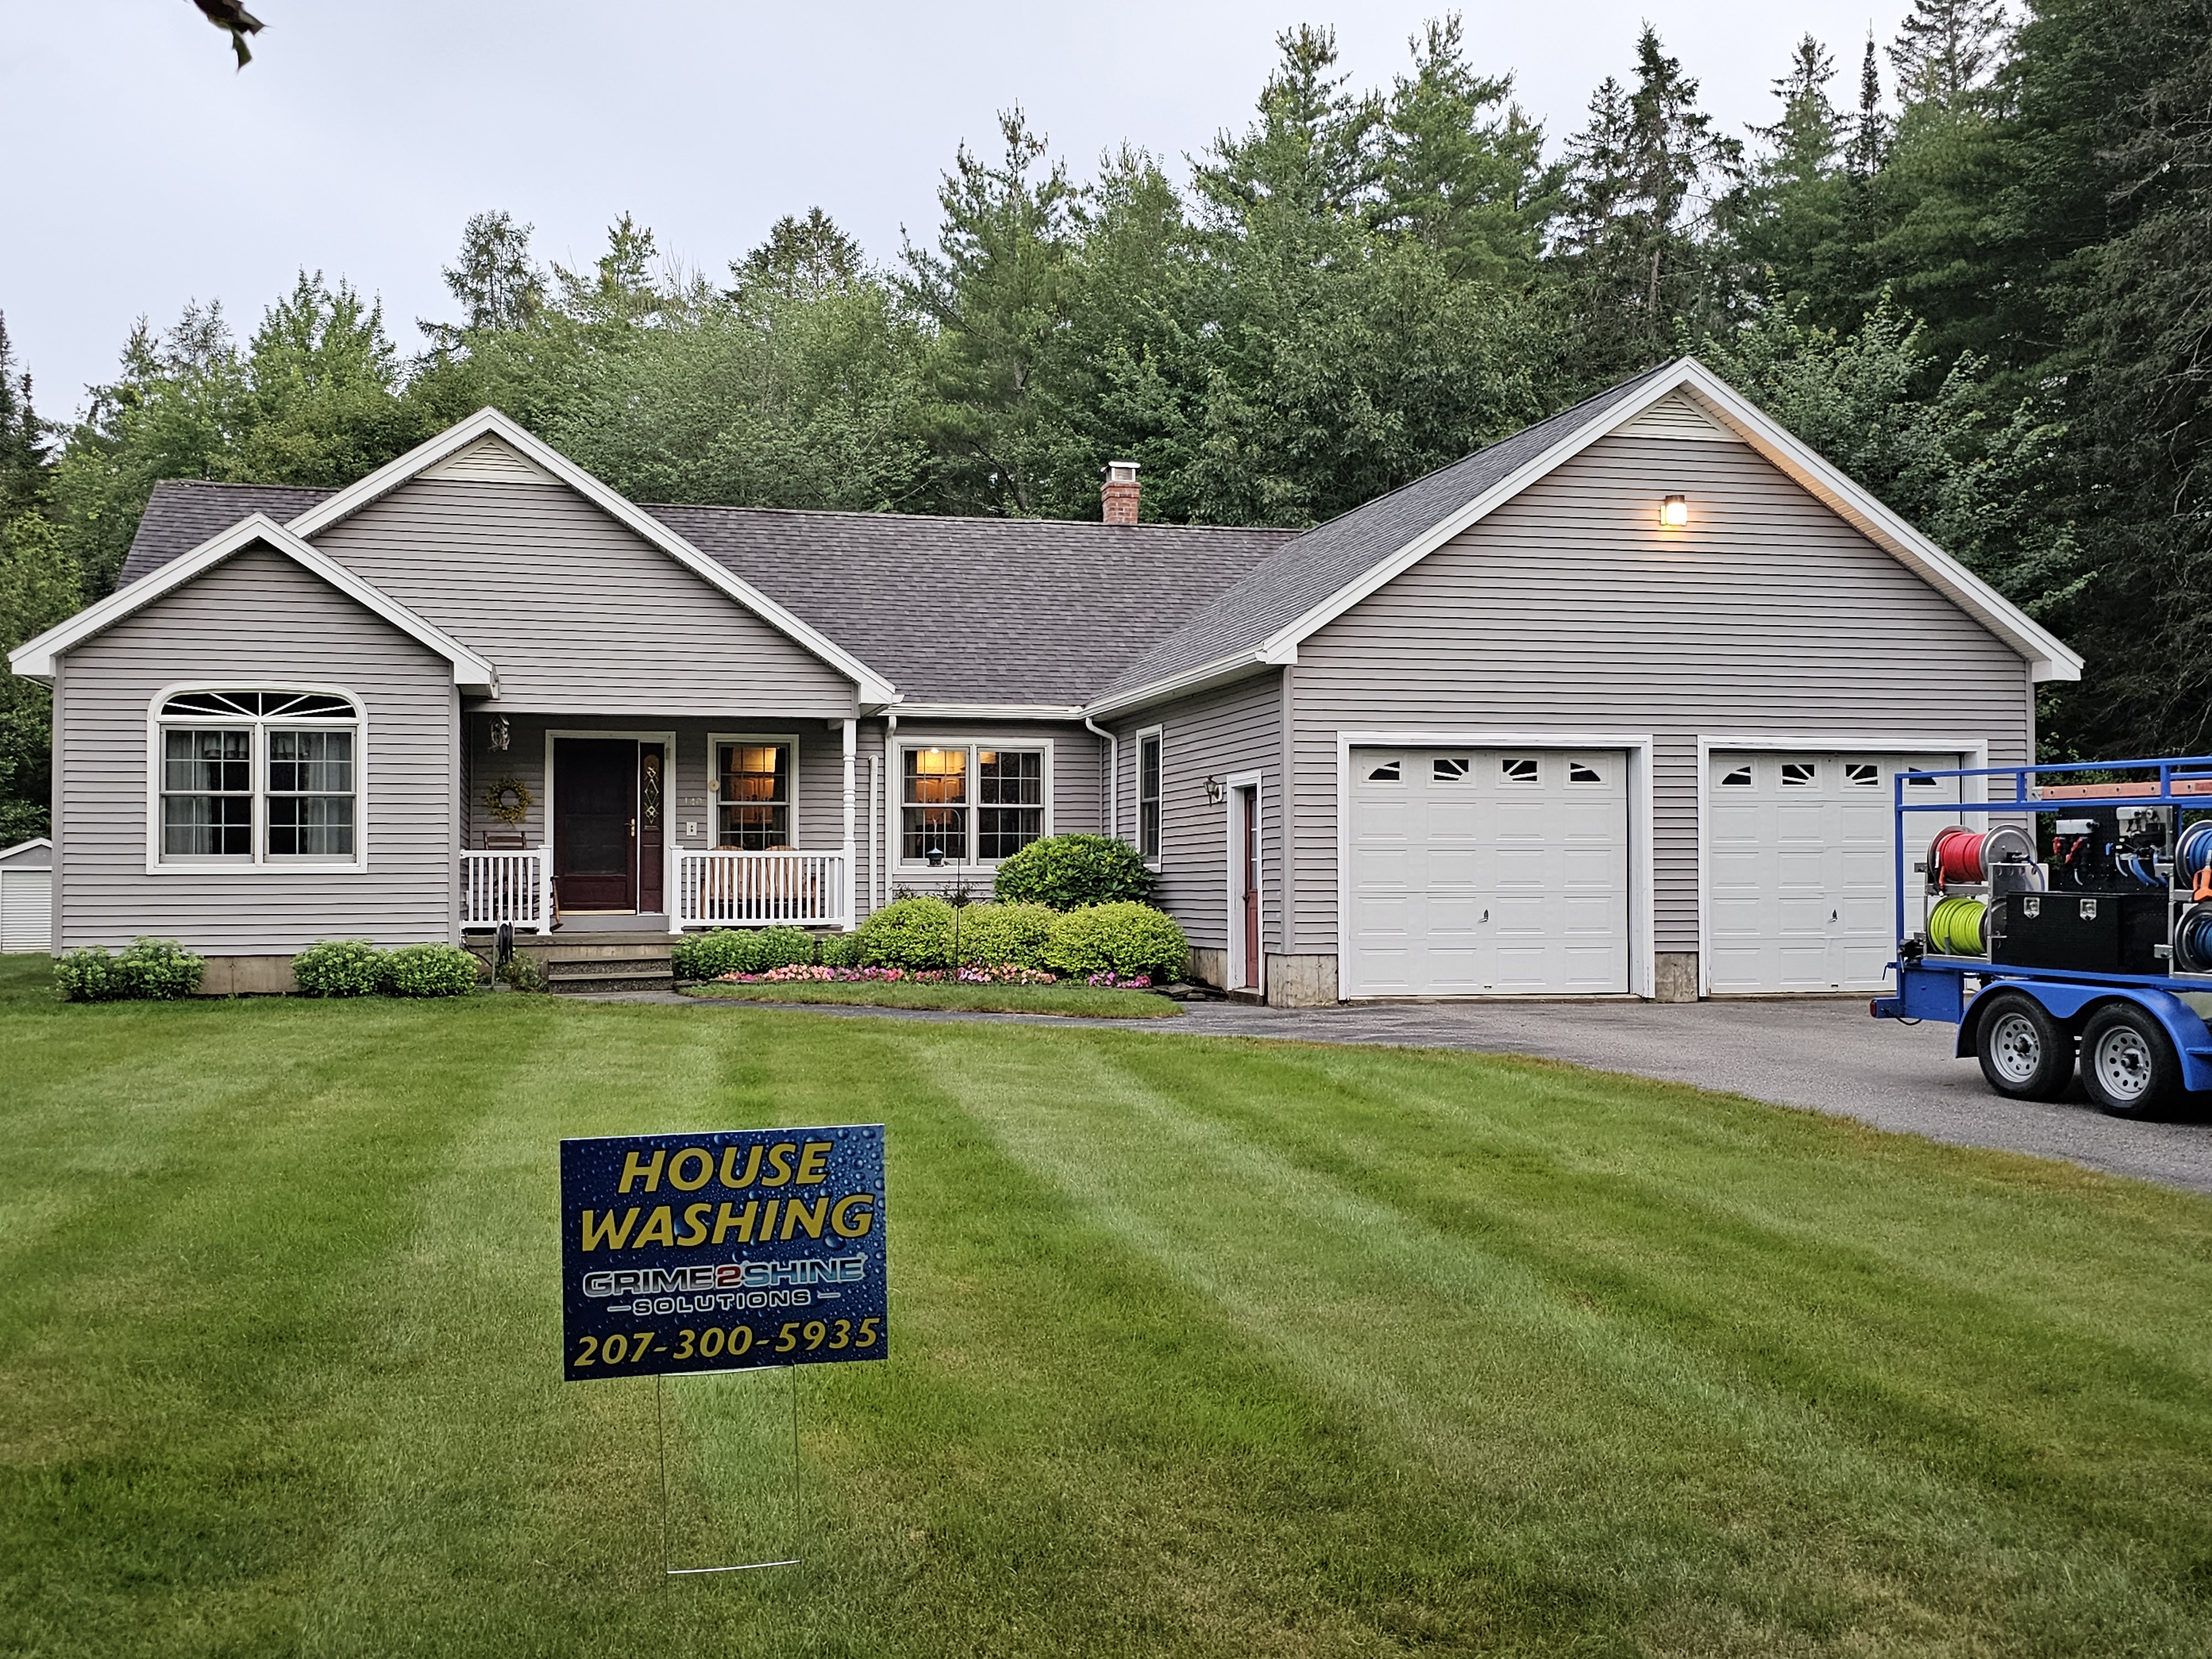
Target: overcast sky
{"type": "Point", "coordinates": [143, 172]}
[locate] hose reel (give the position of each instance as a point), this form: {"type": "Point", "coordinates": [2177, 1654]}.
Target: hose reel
{"type": "Point", "coordinates": [1958, 926]}
{"type": "Point", "coordinates": [1961, 857]}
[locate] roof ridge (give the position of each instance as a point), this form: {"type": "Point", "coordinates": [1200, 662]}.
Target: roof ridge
{"type": "Point", "coordinates": [964, 518]}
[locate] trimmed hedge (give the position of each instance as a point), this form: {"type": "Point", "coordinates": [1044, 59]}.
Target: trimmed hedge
{"type": "Point", "coordinates": [909, 932]}
{"type": "Point", "coordinates": [430, 971]}
{"type": "Point", "coordinates": [739, 951]}
{"type": "Point", "coordinates": [339, 967]}
{"type": "Point", "coordinates": [995, 934]}
{"type": "Point", "coordinates": [151, 970]}
{"type": "Point", "coordinates": [1066, 872]}
{"type": "Point", "coordinates": [1119, 939]}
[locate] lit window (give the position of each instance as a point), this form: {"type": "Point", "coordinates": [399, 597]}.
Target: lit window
{"type": "Point", "coordinates": [1449, 768]}
{"type": "Point", "coordinates": [1863, 774]}
{"type": "Point", "coordinates": [1799, 774]}
{"type": "Point", "coordinates": [752, 796]}
{"type": "Point", "coordinates": [1009, 813]}
{"type": "Point", "coordinates": [935, 804]}
{"type": "Point", "coordinates": [1521, 768]}
{"type": "Point", "coordinates": [255, 777]}
{"type": "Point", "coordinates": [1388, 772]}
{"type": "Point", "coordinates": [1148, 796]}
{"type": "Point", "coordinates": [1580, 772]}
{"type": "Point", "coordinates": [1740, 778]}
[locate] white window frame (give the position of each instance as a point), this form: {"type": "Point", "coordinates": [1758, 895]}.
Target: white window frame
{"type": "Point", "coordinates": [897, 790]}
{"type": "Point", "coordinates": [1158, 857]}
{"type": "Point", "coordinates": [1234, 785]}
{"type": "Point", "coordinates": [715, 742]}
{"type": "Point", "coordinates": [259, 859]}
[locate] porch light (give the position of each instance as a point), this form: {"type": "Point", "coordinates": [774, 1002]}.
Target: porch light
{"type": "Point", "coordinates": [1674, 511]}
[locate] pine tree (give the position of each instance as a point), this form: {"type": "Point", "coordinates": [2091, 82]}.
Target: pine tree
{"type": "Point", "coordinates": [1871, 128]}
{"type": "Point", "coordinates": [498, 285]}
{"type": "Point", "coordinates": [1313, 153]}
{"type": "Point", "coordinates": [1946, 50]}
{"type": "Point", "coordinates": [23, 436]}
{"type": "Point", "coordinates": [1791, 220]}
{"type": "Point", "coordinates": [802, 259]}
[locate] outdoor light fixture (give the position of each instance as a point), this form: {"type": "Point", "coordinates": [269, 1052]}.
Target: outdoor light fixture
{"type": "Point", "coordinates": [1214, 791]}
{"type": "Point", "coordinates": [1674, 511]}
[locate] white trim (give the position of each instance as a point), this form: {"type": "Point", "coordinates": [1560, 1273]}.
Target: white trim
{"type": "Point", "coordinates": [871, 687]}
{"type": "Point", "coordinates": [1203, 677]}
{"type": "Point", "coordinates": [1973, 751]}
{"type": "Point", "coordinates": [35, 658]}
{"type": "Point", "coordinates": [1156, 859]}
{"type": "Point", "coordinates": [851, 746]}
{"type": "Point", "coordinates": [1643, 862]}
{"type": "Point", "coordinates": [895, 792]}
{"type": "Point", "coordinates": [668, 840]}
{"type": "Point", "coordinates": [1232, 785]}
{"type": "Point", "coordinates": [7, 852]}
{"type": "Point", "coordinates": [260, 861]}
{"type": "Point", "coordinates": [2048, 657]}
{"type": "Point", "coordinates": [715, 741]}
{"type": "Point", "coordinates": [991, 711]}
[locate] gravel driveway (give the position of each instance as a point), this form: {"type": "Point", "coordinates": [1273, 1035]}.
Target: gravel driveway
{"type": "Point", "coordinates": [1822, 1053]}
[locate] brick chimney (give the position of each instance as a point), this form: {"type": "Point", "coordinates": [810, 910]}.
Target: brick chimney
{"type": "Point", "coordinates": [1118, 495]}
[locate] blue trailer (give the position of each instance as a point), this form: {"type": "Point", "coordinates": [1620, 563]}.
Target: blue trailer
{"type": "Point", "coordinates": [2076, 921]}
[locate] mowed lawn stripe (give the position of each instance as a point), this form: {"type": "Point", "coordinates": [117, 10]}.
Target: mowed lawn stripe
{"type": "Point", "coordinates": [1199, 1347]}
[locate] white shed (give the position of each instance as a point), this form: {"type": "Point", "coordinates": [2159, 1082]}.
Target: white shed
{"type": "Point", "coordinates": [27, 896]}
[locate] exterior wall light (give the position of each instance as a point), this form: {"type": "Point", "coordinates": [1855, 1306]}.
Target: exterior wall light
{"type": "Point", "coordinates": [1674, 511]}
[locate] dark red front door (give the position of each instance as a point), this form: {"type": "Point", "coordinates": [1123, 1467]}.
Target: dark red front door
{"type": "Point", "coordinates": [595, 822]}
{"type": "Point", "coordinates": [652, 789]}
{"type": "Point", "coordinates": [1248, 808]}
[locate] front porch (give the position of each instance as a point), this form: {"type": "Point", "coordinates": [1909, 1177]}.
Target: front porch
{"type": "Point", "coordinates": [588, 824]}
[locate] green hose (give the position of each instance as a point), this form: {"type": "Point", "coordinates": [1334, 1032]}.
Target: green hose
{"type": "Point", "coordinates": [1954, 927]}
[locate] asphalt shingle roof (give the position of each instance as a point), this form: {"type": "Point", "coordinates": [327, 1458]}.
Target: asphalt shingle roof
{"type": "Point", "coordinates": [1329, 558]}
{"type": "Point", "coordinates": [184, 511]}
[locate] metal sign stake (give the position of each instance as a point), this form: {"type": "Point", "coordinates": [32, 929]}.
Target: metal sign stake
{"type": "Point", "coordinates": [660, 1442]}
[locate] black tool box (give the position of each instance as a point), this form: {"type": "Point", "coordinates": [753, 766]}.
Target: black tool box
{"type": "Point", "coordinates": [2088, 933]}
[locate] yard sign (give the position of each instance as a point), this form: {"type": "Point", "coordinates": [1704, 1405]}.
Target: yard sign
{"type": "Point", "coordinates": [730, 1251]}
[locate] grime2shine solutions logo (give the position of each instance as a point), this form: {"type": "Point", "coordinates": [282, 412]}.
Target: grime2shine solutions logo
{"type": "Point", "coordinates": [723, 1251]}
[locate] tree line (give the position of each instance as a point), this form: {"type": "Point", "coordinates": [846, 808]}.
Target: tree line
{"type": "Point", "coordinates": [1977, 274]}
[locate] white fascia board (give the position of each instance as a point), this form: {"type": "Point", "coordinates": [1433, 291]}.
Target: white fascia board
{"type": "Point", "coordinates": [990, 711]}
{"type": "Point", "coordinates": [2049, 658]}
{"type": "Point", "coordinates": [35, 658]}
{"type": "Point", "coordinates": [872, 688]}
{"type": "Point", "coordinates": [1206, 676]}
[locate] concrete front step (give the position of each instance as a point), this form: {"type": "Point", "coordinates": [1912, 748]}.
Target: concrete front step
{"type": "Point", "coordinates": [610, 973]}
{"type": "Point", "coordinates": [596, 951]}
{"type": "Point", "coordinates": [600, 984]}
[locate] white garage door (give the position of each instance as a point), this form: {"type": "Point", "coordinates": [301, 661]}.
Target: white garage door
{"type": "Point", "coordinates": [27, 910]}
{"type": "Point", "coordinates": [1488, 872]}
{"type": "Point", "coordinates": [1803, 869]}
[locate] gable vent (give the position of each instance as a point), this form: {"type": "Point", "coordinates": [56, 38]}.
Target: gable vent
{"type": "Point", "coordinates": [488, 461]}
{"type": "Point", "coordinates": [1675, 416]}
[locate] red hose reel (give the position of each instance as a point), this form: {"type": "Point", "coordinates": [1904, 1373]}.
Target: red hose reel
{"type": "Point", "coordinates": [1962, 857]}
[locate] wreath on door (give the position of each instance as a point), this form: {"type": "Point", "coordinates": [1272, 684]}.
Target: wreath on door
{"type": "Point", "coordinates": [509, 800]}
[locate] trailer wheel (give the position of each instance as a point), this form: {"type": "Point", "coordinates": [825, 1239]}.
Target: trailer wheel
{"type": "Point", "coordinates": [2024, 1052]}
{"type": "Point", "coordinates": [2128, 1063]}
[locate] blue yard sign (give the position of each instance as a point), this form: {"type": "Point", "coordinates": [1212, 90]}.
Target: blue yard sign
{"type": "Point", "coordinates": [730, 1251]}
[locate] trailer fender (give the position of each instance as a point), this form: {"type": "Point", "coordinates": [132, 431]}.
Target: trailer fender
{"type": "Point", "coordinates": [2071, 1005]}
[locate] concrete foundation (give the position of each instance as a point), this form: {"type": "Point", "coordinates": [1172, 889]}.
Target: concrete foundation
{"type": "Point", "coordinates": [248, 976]}
{"type": "Point", "coordinates": [1302, 981]}
{"type": "Point", "coordinates": [1674, 976]}
{"type": "Point", "coordinates": [1209, 968]}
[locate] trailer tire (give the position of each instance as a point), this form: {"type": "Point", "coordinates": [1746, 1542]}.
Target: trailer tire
{"type": "Point", "coordinates": [2128, 1066]}
{"type": "Point", "coordinates": [2024, 1052]}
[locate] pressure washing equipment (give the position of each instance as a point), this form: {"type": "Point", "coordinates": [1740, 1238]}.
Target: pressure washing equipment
{"type": "Point", "coordinates": [2104, 948]}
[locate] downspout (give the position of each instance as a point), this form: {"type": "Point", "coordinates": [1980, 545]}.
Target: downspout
{"type": "Point", "coordinates": [891, 812]}
{"type": "Point", "coordinates": [1113, 775]}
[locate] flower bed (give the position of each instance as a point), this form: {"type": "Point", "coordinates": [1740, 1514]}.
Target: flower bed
{"type": "Point", "coordinates": [1006, 973]}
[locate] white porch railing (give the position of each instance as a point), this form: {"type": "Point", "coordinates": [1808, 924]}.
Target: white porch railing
{"type": "Point", "coordinates": [755, 890]}
{"type": "Point", "coordinates": [514, 886]}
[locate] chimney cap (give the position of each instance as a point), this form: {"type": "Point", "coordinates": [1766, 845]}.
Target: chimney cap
{"type": "Point", "coordinates": [1121, 472]}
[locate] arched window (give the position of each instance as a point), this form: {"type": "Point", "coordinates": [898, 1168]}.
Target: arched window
{"type": "Point", "coordinates": [265, 776]}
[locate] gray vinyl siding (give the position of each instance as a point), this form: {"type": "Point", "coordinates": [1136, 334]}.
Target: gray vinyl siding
{"type": "Point", "coordinates": [1233, 728]}
{"type": "Point", "coordinates": [580, 615]}
{"type": "Point", "coordinates": [1077, 804]}
{"type": "Point", "coordinates": [1567, 610]}
{"type": "Point", "coordinates": [257, 618]}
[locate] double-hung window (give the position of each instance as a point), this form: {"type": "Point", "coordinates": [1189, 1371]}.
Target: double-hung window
{"type": "Point", "coordinates": [752, 795]}
{"type": "Point", "coordinates": [1148, 796]}
{"type": "Point", "coordinates": [258, 777]}
{"type": "Point", "coordinates": [969, 803]}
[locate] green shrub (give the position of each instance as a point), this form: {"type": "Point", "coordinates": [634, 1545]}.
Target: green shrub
{"type": "Point", "coordinates": [87, 976]}
{"type": "Point", "coordinates": [739, 951]}
{"type": "Point", "coordinates": [524, 972]}
{"type": "Point", "coordinates": [995, 934]}
{"type": "Point", "coordinates": [908, 932]}
{"type": "Point", "coordinates": [1119, 939]}
{"type": "Point", "coordinates": [839, 951]}
{"type": "Point", "coordinates": [430, 971]}
{"type": "Point", "coordinates": [339, 967]}
{"type": "Point", "coordinates": [151, 970]}
{"type": "Point", "coordinates": [1066, 872]}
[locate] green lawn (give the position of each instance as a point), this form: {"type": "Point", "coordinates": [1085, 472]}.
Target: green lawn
{"type": "Point", "coordinates": [1087, 1001]}
{"type": "Point", "coordinates": [1199, 1347]}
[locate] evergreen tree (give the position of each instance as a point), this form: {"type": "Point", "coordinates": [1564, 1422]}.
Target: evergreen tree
{"type": "Point", "coordinates": [1946, 51]}
{"type": "Point", "coordinates": [1314, 153]}
{"type": "Point", "coordinates": [1870, 126]}
{"type": "Point", "coordinates": [1794, 215]}
{"type": "Point", "coordinates": [23, 437]}
{"type": "Point", "coordinates": [1462, 168]}
{"type": "Point", "coordinates": [498, 285]}
{"type": "Point", "coordinates": [803, 257]}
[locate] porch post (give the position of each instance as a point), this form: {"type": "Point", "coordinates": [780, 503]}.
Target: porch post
{"type": "Point", "coordinates": [852, 848]}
